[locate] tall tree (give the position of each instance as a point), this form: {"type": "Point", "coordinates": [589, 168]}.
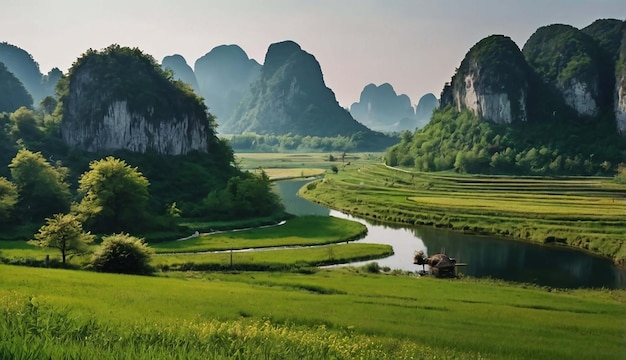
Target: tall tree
{"type": "Point", "coordinates": [63, 232]}
{"type": "Point", "coordinates": [41, 187]}
{"type": "Point", "coordinates": [8, 198]}
{"type": "Point", "coordinates": [115, 196]}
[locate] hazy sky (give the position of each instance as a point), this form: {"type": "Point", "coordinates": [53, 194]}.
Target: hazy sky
{"type": "Point", "coordinates": [414, 45]}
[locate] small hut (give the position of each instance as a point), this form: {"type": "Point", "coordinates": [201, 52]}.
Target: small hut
{"type": "Point", "coordinates": [440, 264]}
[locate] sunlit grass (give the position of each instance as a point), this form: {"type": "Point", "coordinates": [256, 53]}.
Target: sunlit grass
{"type": "Point", "coordinates": [300, 231]}
{"type": "Point", "coordinates": [582, 212]}
{"type": "Point", "coordinates": [404, 316]}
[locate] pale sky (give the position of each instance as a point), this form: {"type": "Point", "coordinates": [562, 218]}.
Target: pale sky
{"type": "Point", "coordinates": [414, 45]}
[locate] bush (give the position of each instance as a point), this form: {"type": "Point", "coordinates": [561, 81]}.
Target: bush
{"type": "Point", "coordinates": [372, 267]}
{"type": "Point", "coordinates": [122, 253]}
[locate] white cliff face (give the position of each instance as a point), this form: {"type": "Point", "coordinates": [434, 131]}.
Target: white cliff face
{"type": "Point", "coordinates": [493, 106]}
{"type": "Point", "coordinates": [580, 97]}
{"type": "Point", "coordinates": [620, 102]}
{"type": "Point", "coordinates": [122, 130]}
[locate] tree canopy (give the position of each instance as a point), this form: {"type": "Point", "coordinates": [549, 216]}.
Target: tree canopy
{"type": "Point", "coordinates": [41, 187]}
{"type": "Point", "coordinates": [8, 198]}
{"type": "Point", "coordinates": [65, 233]}
{"type": "Point", "coordinates": [115, 196]}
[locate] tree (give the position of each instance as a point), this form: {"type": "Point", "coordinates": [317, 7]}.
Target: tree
{"type": "Point", "coordinates": [8, 198]}
{"type": "Point", "coordinates": [122, 253]}
{"type": "Point", "coordinates": [63, 232]}
{"type": "Point", "coordinates": [41, 187]}
{"type": "Point", "coordinates": [115, 196]}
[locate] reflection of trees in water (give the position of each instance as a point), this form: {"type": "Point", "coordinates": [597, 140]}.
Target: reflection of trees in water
{"type": "Point", "coordinates": [523, 262]}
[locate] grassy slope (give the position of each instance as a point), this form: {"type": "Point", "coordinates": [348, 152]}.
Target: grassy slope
{"type": "Point", "coordinates": [582, 212]}
{"type": "Point", "coordinates": [459, 318]}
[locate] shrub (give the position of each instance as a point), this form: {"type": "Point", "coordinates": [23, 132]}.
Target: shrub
{"type": "Point", "coordinates": [372, 267]}
{"type": "Point", "coordinates": [122, 253]}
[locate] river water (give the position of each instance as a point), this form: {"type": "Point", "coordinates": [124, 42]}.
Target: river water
{"type": "Point", "coordinates": [486, 257]}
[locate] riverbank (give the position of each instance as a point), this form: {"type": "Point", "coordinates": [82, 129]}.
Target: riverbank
{"type": "Point", "coordinates": [584, 213]}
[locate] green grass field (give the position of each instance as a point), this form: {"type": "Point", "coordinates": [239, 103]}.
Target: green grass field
{"type": "Point", "coordinates": [587, 213]}
{"type": "Point", "coordinates": [341, 314]}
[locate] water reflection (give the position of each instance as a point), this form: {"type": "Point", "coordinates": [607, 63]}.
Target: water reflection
{"type": "Point", "coordinates": [485, 256]}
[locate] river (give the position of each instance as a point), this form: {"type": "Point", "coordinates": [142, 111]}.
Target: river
{"type": "Point", "coordinates": [485, 256]}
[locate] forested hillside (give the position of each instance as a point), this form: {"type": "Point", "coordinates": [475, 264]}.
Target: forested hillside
{"type": "Point", "coordinates": [553, 108]}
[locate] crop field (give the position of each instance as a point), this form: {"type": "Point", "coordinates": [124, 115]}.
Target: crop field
{"type": "Point", "coordinates": [293, 165]}
{"type": "Point", "coordinates": [342, 314]}
{"type": "Point", "coordinates": [587, 213]}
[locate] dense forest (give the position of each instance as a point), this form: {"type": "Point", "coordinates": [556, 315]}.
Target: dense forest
{"type": "Point", "coordinates": [461, 142]}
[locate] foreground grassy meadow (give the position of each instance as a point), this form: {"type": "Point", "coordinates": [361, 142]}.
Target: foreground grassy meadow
{"type": "Point", "coordinates": [342, 314]}
{"type": "Point", "coordinates": [582, 212]}
{"type": "Point", "coordinates": [204, 302]}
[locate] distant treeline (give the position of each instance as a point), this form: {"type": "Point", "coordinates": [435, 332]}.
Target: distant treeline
{"type": "Point", "coordinates": [277, 143]}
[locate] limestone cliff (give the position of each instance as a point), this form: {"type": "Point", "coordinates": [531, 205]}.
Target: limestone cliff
{"type": "Point", "coordinates": [569, 60]}
{"type": "Point", "coordinates": [121, 99]}
{"type": "Point", "coordinates": [492, 81]}
{"type": "Point", "coordinates": [224, 75]}
{"type": "Point", "coordinates": [13, 95]}
{"type": "Point", "coordinates": [620, 87]}
{"type": "Point", "coordinates": [380, 108]}
{"type": "Point", "coordinates": [290, 97]}
{"type": "Point", "coordinates": [182, 71]}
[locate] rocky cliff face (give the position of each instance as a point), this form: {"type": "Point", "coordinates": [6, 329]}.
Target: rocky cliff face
{"type": "Point", "coordinates": [290, 97]}
{"type": "Point", "coordinates": [492, 81]}
{"type": "Point", "coordinates": [120, 99]}
{"type": "Point", "coordinates": [380, 108]}
{"type": "Point", "coordinates": [620, 87]}
{"type": "Point", "coordinates": [224, 75]}
{"type": "Point", "coordinates": [182, 71]}
{"type": "Point", "coordinates": [569, 60]}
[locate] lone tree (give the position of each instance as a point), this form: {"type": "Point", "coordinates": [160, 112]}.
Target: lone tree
{"type": "Point", "coordinates": [63, 232]}
{"type": "Point", "coordinates": [115, 196]}
{"type": "Point", "coordinates": [122, 253]}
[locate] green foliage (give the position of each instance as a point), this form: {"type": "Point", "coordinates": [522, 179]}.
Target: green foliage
{"type": "Point", "coordinates": [41, 187]}
{"type": "Point", "coordinates": [248, 195]}
{"type": "Point", "coordinates": [8, 199]}
{"type": "Point", "coordinates": [462, 142]}
{"type": "Point", "coordinates": [124, 254]}
{"type": "Point", "coordinates": [115, 196]}
{"type": "Point", "coordinates": [65, 233]}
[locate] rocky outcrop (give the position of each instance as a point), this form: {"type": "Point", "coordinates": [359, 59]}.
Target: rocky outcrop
{"type": "Point", "coordinates": [182, 71]}
{"type": "Point", "coordinates": [290, 97]}
{"type": "Point", "coordinates": [620, 87]}
{"type": "Point", "coordinates": [224, 75]}
{"type": "Point", "coordinates": [569, 60]}
{"type": "Point", "coordinates": [121, 99]}
{"type": "Point", "coordinates": [492, 81]}
{"type": "Point", "coordinates": [380, 108]}
{"type": "Point", "coordinates": [424, 109]}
